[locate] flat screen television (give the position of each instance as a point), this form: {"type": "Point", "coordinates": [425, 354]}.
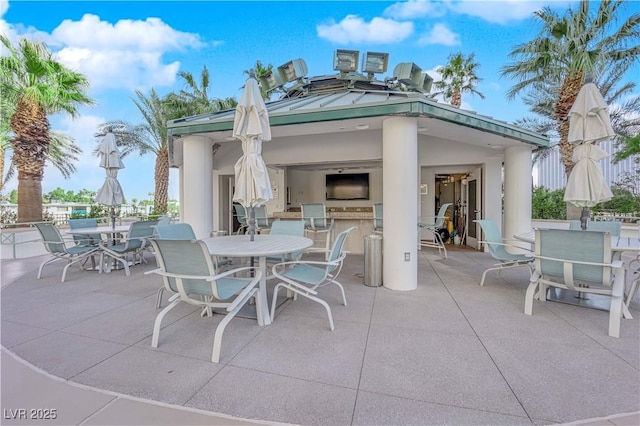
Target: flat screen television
{"type": "Point", "coordinates": [348, 186]}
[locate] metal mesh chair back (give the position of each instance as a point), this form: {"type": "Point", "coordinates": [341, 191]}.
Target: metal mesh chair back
{"type": "Point", "coordinates": [314, 215]}
{"type": "Point", "coordinates": [175, 231]}
{"type": "Point", "coordinates": [614, 228]}
{"type": "Point", "coordinates": [377, 216]}
{"type": "Point", "coordinates": [51, 237]}
{"type": "Point", "coordinates": [570, 245]}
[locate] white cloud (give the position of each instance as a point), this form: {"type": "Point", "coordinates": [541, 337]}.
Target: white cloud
{"type": "Point", "coordinates": [353, 29]}
{"type": "Point", "coordinates": [415, 9]}
{"type": "Point", "coordinates": [440, 34]}
{"type": "Point", "coordinates": [127, 54]}
{"type": "Point", "coordinates": [4, 6]}
{"type": "Point", "coordinates": [120, 68]}
{"type": "Point", "coordinates": [149, 35]}
{"type": "Point", "coordinates": [500, 12]}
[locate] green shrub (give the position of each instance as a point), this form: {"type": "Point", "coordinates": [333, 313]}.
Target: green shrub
{"type": "Point", "coordinates": [623, 201]}
{"type": "Point", "coordinates": [547, 204]}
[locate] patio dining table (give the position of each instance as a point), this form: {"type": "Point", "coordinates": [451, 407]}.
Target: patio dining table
{"type": "Point", "coordinates": [108, 230]}
{"type": "Point", "coordinates": [619, 245]}
{"type": "Point", "coordinates": [261, 247]}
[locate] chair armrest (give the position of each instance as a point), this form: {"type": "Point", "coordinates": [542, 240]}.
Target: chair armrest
{"type": "Point", "coordinates": [316, 250]}
{"type": "Point", "coordinates": [312, 262]}
{"type": "Point", "coordinates": [506, 245]}
{"type": "Point", "coordinates": [202, 277]}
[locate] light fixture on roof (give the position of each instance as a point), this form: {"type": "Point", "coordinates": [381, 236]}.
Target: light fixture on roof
{"type": "Point", "coordinates": [270, 81]}
{"type": "Point", "coordinates": [346, 60]}
{"type": "Point", "coordinates": [292, 70]}
{"type": "Point", "coordinates": [428, 82]}
{"type": "Point", "coordinates": [375, 63]}
{"type": "Point", "coordinates": [409, 74]}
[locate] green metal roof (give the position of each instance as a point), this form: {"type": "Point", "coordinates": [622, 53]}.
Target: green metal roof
{"type": "Point", "coordinates": [355, 104]}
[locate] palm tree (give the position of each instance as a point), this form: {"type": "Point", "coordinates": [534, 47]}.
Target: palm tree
{"type": "Point", "coordinates": [567, 47]}
{"type": "Point", "coordinates": [63, 151]}
{"type": "Point", "coordinates": [144, 138]}
{"type": "Point", "coordinates": [196, 99]}
{"type": "Point", "coordinates": [458, 77]}
{"type": "Point", "coordinates": [261, 70]}
{"type": "Point", "coordinates": [624, 108]}
{"type": "Point", "coordinates": [38, 86]}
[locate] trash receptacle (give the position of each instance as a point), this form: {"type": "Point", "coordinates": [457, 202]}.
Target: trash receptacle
{"type": "Point", "coordinates": [373, 260]}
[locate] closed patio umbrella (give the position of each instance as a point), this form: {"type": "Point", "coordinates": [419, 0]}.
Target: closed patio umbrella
{"type": "Point", "coordinates": [110, 194]}
{"type": "Point", "coordinates": [589, 122]}
{"type": "Point", "coordinates": [251, 126]}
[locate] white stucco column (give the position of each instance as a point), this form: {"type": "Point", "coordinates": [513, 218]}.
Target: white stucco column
{"type": "Point", "coordinates": [517, 191]}
{"type": "Point", "coordinates": [400, 197]}
{"type": "Point", "coordinates": [198, 184]}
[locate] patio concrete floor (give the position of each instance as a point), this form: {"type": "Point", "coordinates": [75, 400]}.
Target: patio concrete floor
{"type": "Point", "coordinates": [450, 352]}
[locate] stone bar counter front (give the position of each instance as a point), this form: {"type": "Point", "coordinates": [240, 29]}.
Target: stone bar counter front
{"type": "Point", "coordinates": [343, 218]}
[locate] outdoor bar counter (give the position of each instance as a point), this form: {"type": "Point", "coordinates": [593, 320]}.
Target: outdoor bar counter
{"type": "Point", "coordinates": [342, 219]}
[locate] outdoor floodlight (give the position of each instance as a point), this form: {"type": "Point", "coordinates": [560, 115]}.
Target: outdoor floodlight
{"type": "Point", "coordinates": [375, 62]}
{"type": "Point", "coordinates": [346, 60]}
{"type": "Point", "coordinates": [428, 82]}
{"type": "Point", "coordinates": [270, 81]}
{"type": "Point", "coordinates": [410, 74]}
{"type": "Point", "coordinates": [292, 70]}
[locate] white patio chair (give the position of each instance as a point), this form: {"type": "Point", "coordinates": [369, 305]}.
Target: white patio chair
{"type": "Point", "coordinates": [435, 228]}
{"type": "Point", "coordinates": [56, 246]}
{"type": "Point", "coordinates": [92, 240]}
{"type": "Point", "coordinates": [303, 277]}
{"type": "Point", "coordinates": [614, 228]}
{"type": "Point", "coordinates": [241, 215]}
{"type": "Point", "coordinates": [497, 250]}
{"type": "Point", "coordinates": [179, 231]}
{"type": "Point", "coordinates": [188, 271]}
{"type": "Point", "coordinates": [135, 244]}
{"type": "Point", "coordinates": [315, 221]}
{"type": "Point", "coordinates": [377, 218]}
{"type": "Point", "coordinates": [579, 261]}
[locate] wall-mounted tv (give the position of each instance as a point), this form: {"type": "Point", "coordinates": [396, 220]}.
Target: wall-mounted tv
{"type": "Point", "coordinates": [348, 186]}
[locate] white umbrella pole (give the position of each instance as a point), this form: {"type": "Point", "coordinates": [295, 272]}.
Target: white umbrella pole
{"type": "Point", "coordinates": [584, 218]}
{"type": "Point", "coordinates": [252, 223]}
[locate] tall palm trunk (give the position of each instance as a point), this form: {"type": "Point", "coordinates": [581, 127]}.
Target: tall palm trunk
{"type": "Point", "coordinates": [456, 99]}
{"type": "Point", "coordinates": [568, 94]}
{"type": "Point", "coordinates": [30, 149]}
{"type": "Point", "coordinates": [161, 197]}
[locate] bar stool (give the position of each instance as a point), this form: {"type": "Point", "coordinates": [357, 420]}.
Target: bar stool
{"type": "Point", "coordinates": [315, 221]}
{"type": "Point", "coordinates": [377, 218]}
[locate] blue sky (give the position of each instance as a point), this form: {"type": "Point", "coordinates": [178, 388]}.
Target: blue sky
{"type": "Point", "coordinates": [123, 46]}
